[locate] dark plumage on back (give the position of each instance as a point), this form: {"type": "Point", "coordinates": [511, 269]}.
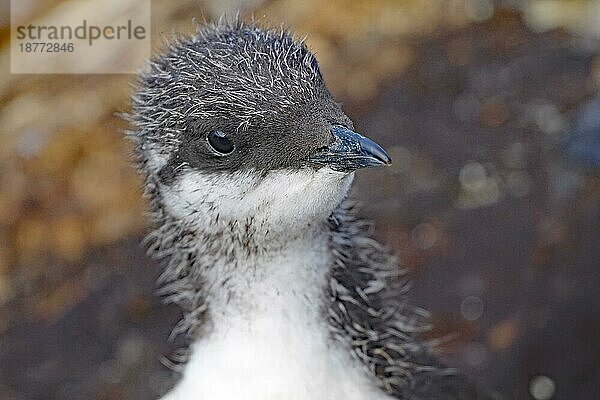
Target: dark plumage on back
{"type": "Point", "coordinates": [369, 304]}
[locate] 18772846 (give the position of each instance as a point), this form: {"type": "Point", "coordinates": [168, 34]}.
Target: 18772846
{"type": "Point", "coordinates": [46, 47]}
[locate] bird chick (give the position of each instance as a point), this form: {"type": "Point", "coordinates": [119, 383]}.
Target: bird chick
{"type": "Point", "coordinates": [247, 161]}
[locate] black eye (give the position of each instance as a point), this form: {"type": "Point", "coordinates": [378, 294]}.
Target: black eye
{"type": "Point", "coordinates": [221, 143]}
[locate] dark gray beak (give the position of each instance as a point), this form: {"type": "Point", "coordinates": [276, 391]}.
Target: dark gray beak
{"type": "Point", "coordinates": [350, 151]}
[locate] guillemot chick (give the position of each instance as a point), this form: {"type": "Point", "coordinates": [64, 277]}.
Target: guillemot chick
{"type": "Point", "coordinates": [247, 161]}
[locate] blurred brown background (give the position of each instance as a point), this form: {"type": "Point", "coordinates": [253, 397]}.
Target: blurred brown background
{"type": "Point", "coordinates": [489, 110]}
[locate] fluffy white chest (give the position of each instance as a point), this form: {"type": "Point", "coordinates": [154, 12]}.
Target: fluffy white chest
{"type": "Point", "coordinates": [269, 339]}
{"type": "Point", "coordinates": [273, 361]}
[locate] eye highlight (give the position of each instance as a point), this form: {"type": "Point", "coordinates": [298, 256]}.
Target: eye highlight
{"type": "Point", "coordinates": [220, 142]}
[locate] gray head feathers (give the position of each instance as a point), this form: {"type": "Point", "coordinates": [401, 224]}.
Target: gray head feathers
{"type": "Point", "coordinates": [260, 87]}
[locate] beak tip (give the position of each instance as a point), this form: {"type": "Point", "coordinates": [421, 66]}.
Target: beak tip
{"type": "Point", "coordinates": [386, 160]}
{"type": "Point", "coordinates": [378, 153]}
